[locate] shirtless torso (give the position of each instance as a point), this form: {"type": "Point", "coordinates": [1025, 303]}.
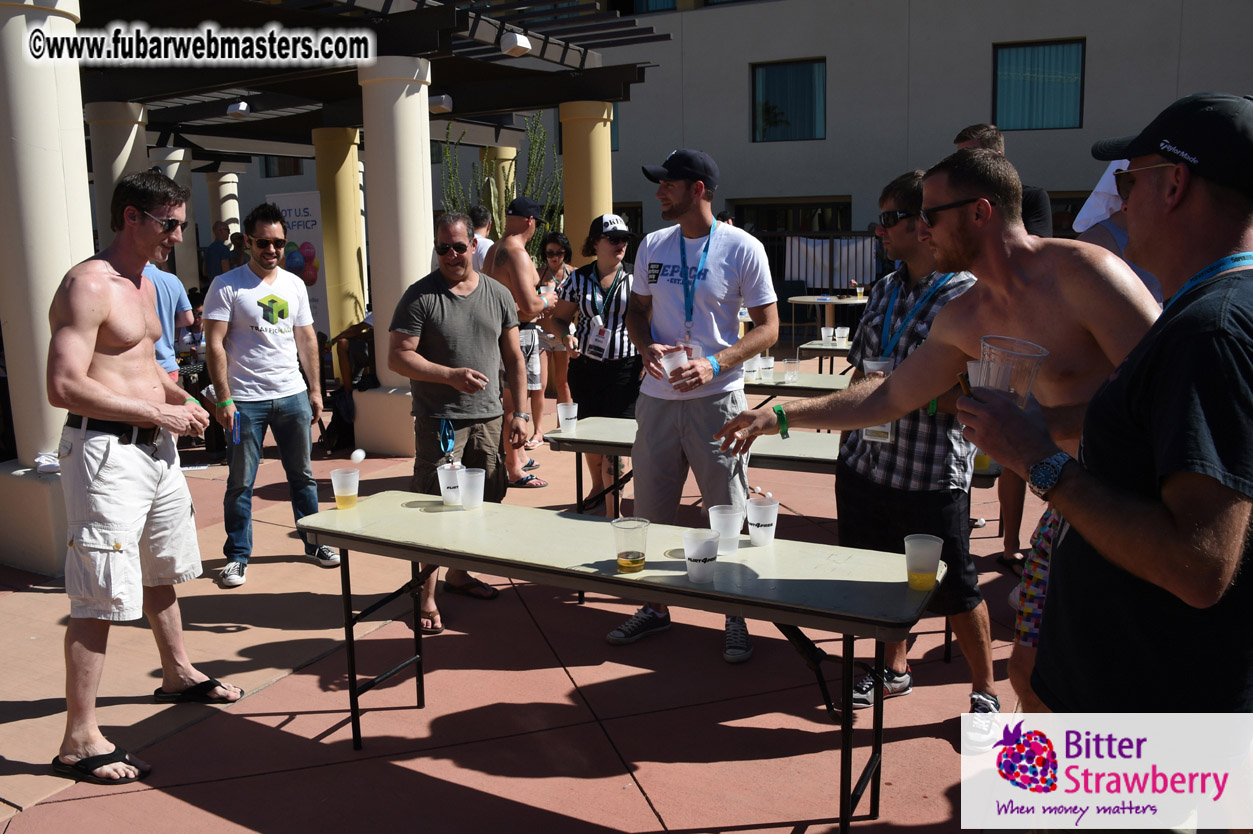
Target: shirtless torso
{"type": "Point", "coordinates": [509, 263]}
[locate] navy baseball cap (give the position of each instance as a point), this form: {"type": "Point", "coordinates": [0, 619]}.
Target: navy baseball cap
{"type": "Point", "coordinates": [685, 164]}
{"type": "Point", "coordinates": [1212, 133]}
{"type": "Point", "coordinates": [524, 207]}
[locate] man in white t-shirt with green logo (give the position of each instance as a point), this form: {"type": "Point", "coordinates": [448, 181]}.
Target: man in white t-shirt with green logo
{"type": "Point", "coordinates": [259, 332]}
{"type": "Point", "coordinates": [690, 281]}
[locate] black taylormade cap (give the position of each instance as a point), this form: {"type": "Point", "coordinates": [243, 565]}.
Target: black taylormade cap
{"type": "Point", "coordinates": [609, 225]}
{"type": "Point", "coordinates": [685, 164]}
{"type": "Point", "coordinates": [524, 207]}
{"type": "Point", "coordinates": [1211, 132]}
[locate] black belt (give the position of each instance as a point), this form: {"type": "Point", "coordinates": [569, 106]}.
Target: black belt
{"type": "Point", "coordinates": [124, 431]}
{"type": "Point", "coordinates": [527, 325]}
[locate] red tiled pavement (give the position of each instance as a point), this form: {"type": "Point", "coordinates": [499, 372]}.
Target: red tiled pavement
{"type": "Point", "coordinates": [532, 722]}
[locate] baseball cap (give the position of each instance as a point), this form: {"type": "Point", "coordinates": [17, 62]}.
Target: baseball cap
{"type": "Point", "coordinates": [1211, 132]}
{"type": "Point", "coordinates": [609, 225]}
{"type": "Point", "coordinates": [524, 207]}
{"type": "Point", "coordinates": [685, 164]}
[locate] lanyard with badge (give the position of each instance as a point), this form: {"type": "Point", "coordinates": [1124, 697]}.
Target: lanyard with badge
{"type": "Point", "coordinates": [694, 350]}
{"type": "Point", "coordinates": [888, 340]}
{"type": "Point", "coordinates": [598, 335]}
{"type": "Point", "coordinates": [1220, 265]}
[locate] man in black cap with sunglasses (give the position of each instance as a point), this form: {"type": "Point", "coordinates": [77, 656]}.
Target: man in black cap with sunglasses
{"type": "Point", "coordinates": [1160, 498]}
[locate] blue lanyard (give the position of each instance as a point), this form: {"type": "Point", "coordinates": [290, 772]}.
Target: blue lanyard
{"type": "Point", "coordinates": [689, 281]}
{"type": "Point", "coordinates": [888, 344]}
{"type": "Point", "coordinates": [609, 293]}
{"type": "Point", "coordinates": [447, 437]}
{"type": "Point", "coordinates": [1221, 265]}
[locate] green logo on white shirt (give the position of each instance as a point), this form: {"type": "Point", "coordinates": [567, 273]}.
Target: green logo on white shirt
{"type": "Point", "coordinates": [273, 308]}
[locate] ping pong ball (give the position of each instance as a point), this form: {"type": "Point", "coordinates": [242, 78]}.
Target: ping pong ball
{"type": "Point", "coordinates": [358, 456]}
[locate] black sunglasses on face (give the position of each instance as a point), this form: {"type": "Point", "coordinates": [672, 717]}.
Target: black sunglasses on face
{"type": "Point", "coordinates": [888, 219]}
{"type": "Point", "coordinates": [1123, 183]}
{"type": "Point", "coordinates": [169, 224]}
{"type": "Point", "coordinates": [265, 243]}
{"type": "Point", "coordinates": [555, 253]}
{"type": "Point", "coordinates": [928, 215]}
{"type": "Point", "coordinates": [442, 249]}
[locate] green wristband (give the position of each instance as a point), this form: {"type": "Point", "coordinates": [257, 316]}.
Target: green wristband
{"type": "Point", "coordinates": [190, 400]}
{"type": "Point", "coordinates": [778, 412]}
{"type": "Point", "coordinates": [931, 408]}
{"type": "Point", "coordinates": [225, 404]}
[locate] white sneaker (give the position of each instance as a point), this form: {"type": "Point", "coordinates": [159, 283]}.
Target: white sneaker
{"type": "Point", "coordinates": [324, 556]}
{"type": "Point", "coordinates": [232, 576]}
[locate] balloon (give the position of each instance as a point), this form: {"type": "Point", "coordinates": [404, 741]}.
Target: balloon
{"type": "Point", "coordinates": [295, 261]}
{"type": "Point", "coordinates": [307, 250]}
{"type": "Point", "coordinates": [310, 275]}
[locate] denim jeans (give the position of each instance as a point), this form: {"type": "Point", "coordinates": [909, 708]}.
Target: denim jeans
{"type": "Point", "coordinates": [289, 419]}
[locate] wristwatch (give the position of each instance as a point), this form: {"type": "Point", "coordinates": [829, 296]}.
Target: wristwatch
{"type": "Point", "coordinates": [1043, 476]}
{"type": "Point", "coordinates": [523, 415]}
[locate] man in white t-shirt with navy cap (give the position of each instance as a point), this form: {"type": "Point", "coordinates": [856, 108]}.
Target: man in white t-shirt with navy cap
{"type": "Point", "coordinates": [691, 280]}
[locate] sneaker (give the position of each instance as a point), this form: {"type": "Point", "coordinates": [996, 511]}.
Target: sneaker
{"type": "Point", "coordinates": [737, 648]}
{"type": "Point", "coordinates": [232, 576]}
{"type": "Point", "coordinates": [324, 556]}
{"type": "Point", "coordinates": [643, 623]}
{"type": "Point", "coordinates": [893, 684]}
{"type": "Point", "coordinates": [983, 728]}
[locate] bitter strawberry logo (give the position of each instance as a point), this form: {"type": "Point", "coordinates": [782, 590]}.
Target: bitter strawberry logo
{"type": "Point", "coordinates": [1028, 760]}
{"type": "Point", "coordinates": [273, 308]}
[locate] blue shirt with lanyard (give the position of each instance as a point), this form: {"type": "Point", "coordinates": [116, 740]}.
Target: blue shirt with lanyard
{"type": "Point", "coordinates": [689, 280]}
{"type": "Point", "coordinates": [887, 341]}
{"type": "Point", "coordinates": [1220, 265]}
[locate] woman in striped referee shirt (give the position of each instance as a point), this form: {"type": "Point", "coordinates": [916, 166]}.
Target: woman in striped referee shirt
{"type": "Point", "coordinates": [605, 368]}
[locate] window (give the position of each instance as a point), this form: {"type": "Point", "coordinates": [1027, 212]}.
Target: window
{"type": "Point", "coordinates": [630, 7]}
{"type": "Point", "coordinates": [282, 166]}
{"type": "Point", "coordinates": [790, 101]}
{"type": "Point", "coordinates": [1038, 86]}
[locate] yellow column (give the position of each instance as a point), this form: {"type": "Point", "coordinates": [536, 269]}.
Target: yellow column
{"type": "Point", "coordinates": [175, 163]}
{"type": "Point", "coordinates": [587, 171]}
{"type": "Point", "coordinates": [224, 200]}
{"type": "Point", "coordinates": [335, 155]}
{"type": "Point", "coordinates": [119, 146]}
{"type": "Point", "coordinates": [502, 188]}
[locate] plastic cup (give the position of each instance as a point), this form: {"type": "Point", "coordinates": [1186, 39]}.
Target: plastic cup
{"type": "Point", "coordinates": [727, 521]}
{"type": "Point", "coordinates": [630, 536]}
{"type": "Point", "coordinates": [700, 549]}
{"type": "Point", "coordinates": [922, 559]}
{"type": "Point", "coordinates": [470, 482]}
{"type": "Point", "coordinates": [763, 516]}
{"type": "Point", "coordinates": [791, 370]}
{"type": "Point", "coordinates": [344, 482]}
{"type": "Point", "coordinates": [1010, 365]}
{"type": "Point", "coordinates": [450, 483]}
{"type": "Point", "coordinates": [841, 337]}
{"type": "Point", "coordinates": [974, 372]}
{"type": "Point", "coordinates": [766, 369]}
{"type": "Point", "coordinates": [828, 335]}
{"type": "Point", "coordinates": [861, 292]}
{"type": "Point", "coordinates": [751, 364]}
{"type": "Point", "coordinates": [568, 417]}
{"type": "Point", "coordinates": [671, 362]}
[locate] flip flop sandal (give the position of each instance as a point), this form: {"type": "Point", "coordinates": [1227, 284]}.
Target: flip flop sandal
{"type": "Point", "coordinates": [531, 464]}
{"type": "Point", "coordinates": [82, 769]}
{"type": "Point", "coordinates": [200, 693]}
{"type": "Point", "coordinates": [529, 482]}
{"type": "Point", "coordinates": [533, 443]}
{"type": "Point", "coordinates": [475, 588]}
{"type": "Point", "coordinates": [1015, 565]}
{"type": "Point", "coordinates": [430, 615]}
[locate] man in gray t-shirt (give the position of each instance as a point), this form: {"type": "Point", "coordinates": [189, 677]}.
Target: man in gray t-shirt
{"type": "Point", "coordinates": [449, 335]}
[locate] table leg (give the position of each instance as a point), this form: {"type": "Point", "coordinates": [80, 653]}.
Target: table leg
{"type": "Point", "coordinates": [417, 578]}
{"type": "Point", "coordinates": [578, 482]}
{"type": "Point", "coordinates": [617, 493]}
{"type": "Point", "coordinates": [846, 735]}
{"type": "Point", "coordinates": [354, 708]}
{"type": "Point", "coordinates": [828, 314]}
{"type": "Point", "coordinates": [876, 748]}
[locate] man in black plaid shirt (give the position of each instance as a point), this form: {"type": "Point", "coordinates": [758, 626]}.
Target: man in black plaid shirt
{"type": "Point", "coordinates": [913, 475]}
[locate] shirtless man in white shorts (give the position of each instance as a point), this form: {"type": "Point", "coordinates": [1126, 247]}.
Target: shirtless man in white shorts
{"type": "Point", "coordinates": [129, 515]}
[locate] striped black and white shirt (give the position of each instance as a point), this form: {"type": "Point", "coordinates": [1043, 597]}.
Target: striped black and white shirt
{"type": "Point", "coordinates": [583, 289]}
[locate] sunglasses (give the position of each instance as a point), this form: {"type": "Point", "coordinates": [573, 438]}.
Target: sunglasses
{"type": "Point", "coordinates": [1124, 184]}
{"type": "Point", "coordinates": [444, 248]}
{"type": "Point", "coordinates": [555, 253]}
{"type": "Point", "coordinates": [265, 243]}
{"type": "Point", "coordinates": [888, 219]}
{"type": "Point", "coordinates": [169, 224]}
{"type": "Point", "coordinates": [928, 215]}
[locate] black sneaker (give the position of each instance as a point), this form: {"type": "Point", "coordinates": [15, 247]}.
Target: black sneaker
{"type": "Point", "coordinates": [983, 729]}
{"type": "Point", "coordinates": [232, 576]}
{"type": "Point", "coordinates": [737, 647]}
{"type": "Point", "coordinates": [324, 556]}
{"type": "Point", "coordinates": [643, 623]}
{"type": "Point", "coordinates": [893, 684]}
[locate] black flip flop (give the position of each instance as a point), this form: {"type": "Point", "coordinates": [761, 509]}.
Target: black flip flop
{"type": "Point", "coordinates": [82, 769]}
{"type": "Point", "coordinates": [196, 694]}
{"type": "Point", "coordinates": [1015, 565]}
{"type": "Point", "coordinates": [484, 591]}
{"type": "Point", "coordinates": [531, 464]}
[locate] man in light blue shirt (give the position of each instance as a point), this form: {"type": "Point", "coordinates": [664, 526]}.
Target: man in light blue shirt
{"type": "Point", "coordinates": [174, 311]}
